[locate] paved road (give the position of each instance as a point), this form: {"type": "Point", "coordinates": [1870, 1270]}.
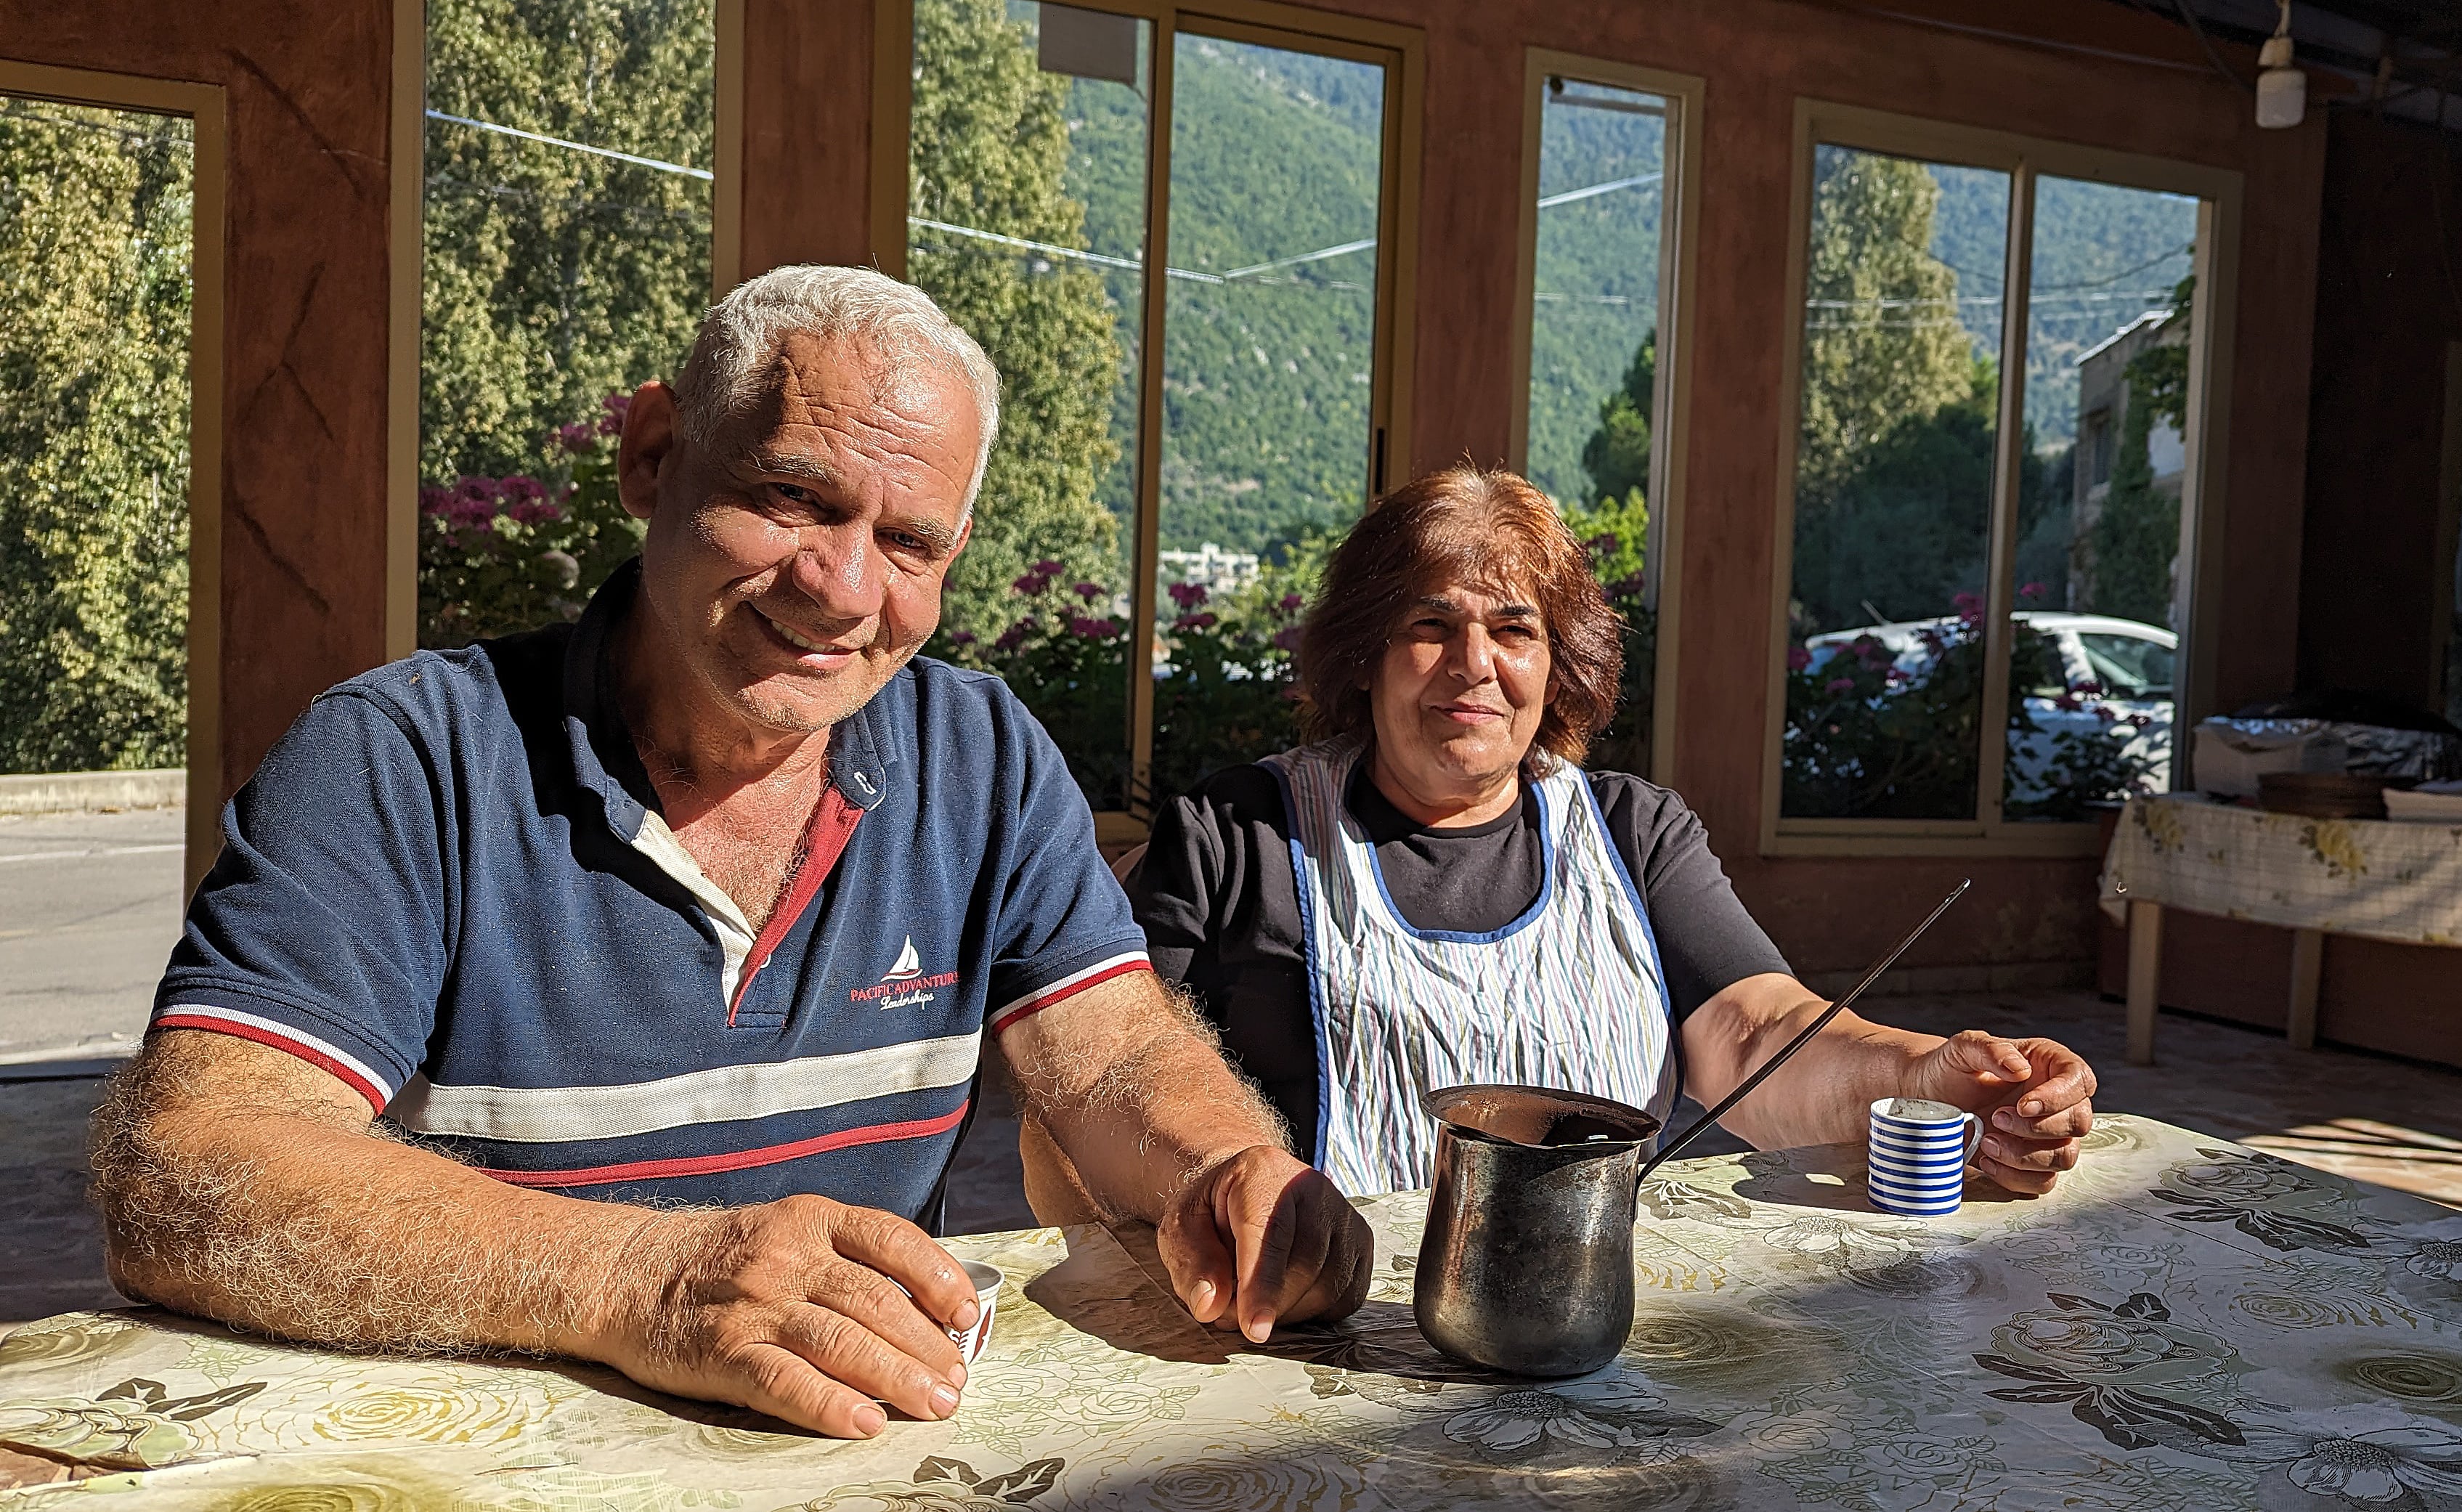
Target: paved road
{"type": "Point", "coordinates": [89, 910]}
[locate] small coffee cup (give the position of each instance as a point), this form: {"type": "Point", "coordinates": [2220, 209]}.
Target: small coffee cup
{"type": "Point", "coordinates": [1916, 1164]}
{"type": "Point", "coordinates": [986, 1281]}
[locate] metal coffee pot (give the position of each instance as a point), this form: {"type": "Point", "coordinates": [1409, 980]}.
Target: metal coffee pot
{"type": "Point", "coordinates": [1527, 1262]}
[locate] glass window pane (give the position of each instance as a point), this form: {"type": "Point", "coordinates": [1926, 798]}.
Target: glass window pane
{"type": "Point", "coordinates": [559, 276]}
{"type": "Point", "coordinates": [1893, 487]}
{"type": "Point", "coordinates": [2099, 497]}
{"type": "Point", "coordinates": [1269, 364]}
{"type": "Point", "coordinates": [1594, 357]}
{"type": "Point", "coordinates": [1028, 222]}
{"type": "Point", "coordinates": [95, 208]}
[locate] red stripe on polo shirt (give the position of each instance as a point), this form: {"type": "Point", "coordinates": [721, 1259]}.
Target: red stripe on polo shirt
{"type": "Point", "coordinates": [313, 1056]}
{"type": "Point", "coordinates": [1067, 989]}
{"type": "Point", "coordinates": [824, 840]}
{"type": "Point", "coordinates": [738, 1160]}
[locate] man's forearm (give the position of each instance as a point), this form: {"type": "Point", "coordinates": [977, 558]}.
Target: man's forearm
{"type": "Point", "coordinates": [1140, 1105]}
{"type": "Point", "coordinates": [290, 1223]}
{"type": "Point", "coordinates": [1823, 1095]}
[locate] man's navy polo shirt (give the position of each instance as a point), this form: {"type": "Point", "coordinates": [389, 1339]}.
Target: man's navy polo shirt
{"type": "Point", "coordinates": [444, 886]}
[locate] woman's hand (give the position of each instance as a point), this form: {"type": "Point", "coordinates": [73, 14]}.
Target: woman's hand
{"type": "Point", "coordinates": [2035, 1098]}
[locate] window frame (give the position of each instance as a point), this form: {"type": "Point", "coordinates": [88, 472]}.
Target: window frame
{"type": "Point", "coordinates": [1670, 428]}
{"type": "Point", "coordinates": [1401, 50]}
{"type": "Point", "coordinates": [206, 108]}
{"type": "Point", "coordinates": [1820, 123]}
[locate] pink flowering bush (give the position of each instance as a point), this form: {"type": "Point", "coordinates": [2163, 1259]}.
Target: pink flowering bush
{"type": "Point", "coordinates": [1221, 693]}
{"type": "Point", "coordinates": [497, 555]}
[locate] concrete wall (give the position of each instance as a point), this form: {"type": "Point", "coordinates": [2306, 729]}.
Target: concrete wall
{"type": "Point", "coordinates": [2388, 302]}
{"type": "Point", "coordinates": [309, 87]}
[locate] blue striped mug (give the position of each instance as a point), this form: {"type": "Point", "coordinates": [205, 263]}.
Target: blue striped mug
{"type": "Point", "coordinates": [1916, 1165]}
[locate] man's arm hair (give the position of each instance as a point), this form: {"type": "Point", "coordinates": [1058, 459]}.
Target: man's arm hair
{"type": "Point", "coordinates": [241, 1183]}
{"type": "Point", "coordinates": [1129, 1080]}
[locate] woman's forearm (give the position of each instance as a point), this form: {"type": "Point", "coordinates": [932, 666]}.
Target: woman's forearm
{"type": "Point", "coordinates": [1824, 1094]}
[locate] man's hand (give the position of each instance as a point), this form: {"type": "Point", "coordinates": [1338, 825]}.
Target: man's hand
{"type": "Point", "coordinates": [1261, 1238]}
{"type": "Point", "coordinates": [2035, 1098]}
{"type": "Point", "coordinates": [804, 1309]}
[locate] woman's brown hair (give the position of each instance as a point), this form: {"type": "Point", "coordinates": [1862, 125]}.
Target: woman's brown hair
{"type": "Point", "coordinates": [1489, 530]}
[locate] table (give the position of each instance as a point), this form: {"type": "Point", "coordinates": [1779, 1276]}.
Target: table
{"type": "Point", "coordinates": [2185, 1323]}
{"type": "Point", "coordinates": [2401, 882]}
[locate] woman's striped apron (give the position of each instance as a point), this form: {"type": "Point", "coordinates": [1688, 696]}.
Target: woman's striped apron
{"type": "Point", "coordinates": [1568, 996]}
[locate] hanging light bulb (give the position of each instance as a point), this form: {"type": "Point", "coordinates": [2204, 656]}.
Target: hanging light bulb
{"type": "Point", "coordinates": [2281, 89]}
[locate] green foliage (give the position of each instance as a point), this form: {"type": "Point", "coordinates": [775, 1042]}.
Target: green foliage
{"type": "Point", "coordinates": [499, 555]}
{"type": "Point", "coordinates": [94, 210]}
{"type": "Point", "coordinates": [1267, 378]}
{"type": "Point", "coordinates": [2137, 534]}
{"type": "Point", "coordinates": [1223, 695]}
{"type": "Point", "coordinates": [554, 277]}
{"type": "Point", "coordinates": [1882, 344]}
{"type": "Point", "coordinates": [1615, 527]}
{"type": "Point", "coordinates": [1869, 737]}
{"type": "Point", "coordinates": [1595, 285]}
{"type": "Point", "coordinates": [990, 145]}
{"type": "Point", "coordinates": [1903, 527]}
{"type": "Point", "coordinates": [1617, 454]}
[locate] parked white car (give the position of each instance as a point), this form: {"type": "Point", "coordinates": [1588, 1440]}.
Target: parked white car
{"type": "Point", "coordinates": [2121, 665]}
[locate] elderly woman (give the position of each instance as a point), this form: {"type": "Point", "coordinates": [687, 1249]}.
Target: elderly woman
{"type": "Point", "coordinates": [1434, 891]}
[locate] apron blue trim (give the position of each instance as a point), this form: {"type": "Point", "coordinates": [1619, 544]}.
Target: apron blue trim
{"type": "Point", "coordinates": [1308, 953]}
{"type": "Point", "coordinates": [1529, 915]}
{"type": "Point", "coordinates": [1648, 934]}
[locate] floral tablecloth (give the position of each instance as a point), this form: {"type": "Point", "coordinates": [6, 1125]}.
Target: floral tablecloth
{"type": "Point", "coordinates": [2348, 877]}
{"type": "Point", "coordinates": [2185, 1323]}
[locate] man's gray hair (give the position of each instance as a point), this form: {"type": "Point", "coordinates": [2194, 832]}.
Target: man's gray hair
{"type": "Point", "coordinates": [741, 335]}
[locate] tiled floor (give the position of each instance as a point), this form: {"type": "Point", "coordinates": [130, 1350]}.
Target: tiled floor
{"type": "Point", "coordinates": [2361, 1116]}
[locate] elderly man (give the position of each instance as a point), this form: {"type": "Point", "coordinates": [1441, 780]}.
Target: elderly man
{"type": "Point", "coordinates": [615, 990]}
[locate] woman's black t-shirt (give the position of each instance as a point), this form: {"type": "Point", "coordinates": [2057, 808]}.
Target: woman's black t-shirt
{"type": "Point", "coordinates": [1221, 916]}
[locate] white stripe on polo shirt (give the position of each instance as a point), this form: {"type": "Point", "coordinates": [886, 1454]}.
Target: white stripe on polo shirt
{"type": "Point", "coordinates": [332, 1057]}
{"type": "Point", "coordinates": [1076, 981]}
{"type": "Point", "coordinates": [721, 1094]}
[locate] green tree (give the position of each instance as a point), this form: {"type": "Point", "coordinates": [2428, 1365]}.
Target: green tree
{"type": "Point", "coordinates": [94, 210]}
{"type": "Point", "coordinates": [554, 277]}
{"type": "Point", "coordinates": [2136, 537]}
{"type": "Point", "coordinates": [1903, 529]}
{"type": "Point", "coordinates": [1617, 454]}
{"type": "Point", "coordinates": [1883, 343]}
{"type": "Point", "coordinates": [991, 146]}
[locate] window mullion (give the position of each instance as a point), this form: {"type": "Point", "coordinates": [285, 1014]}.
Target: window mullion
{"type": "Point", "coordinates": [2009, 442]}
{"type": "Point", "coordinates": [1144, 554]}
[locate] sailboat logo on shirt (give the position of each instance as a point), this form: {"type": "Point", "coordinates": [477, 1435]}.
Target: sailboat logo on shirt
{"type": "Point", "coordinates": [904, 985]}
{"type": "Point", "coordinates": [909, 965]}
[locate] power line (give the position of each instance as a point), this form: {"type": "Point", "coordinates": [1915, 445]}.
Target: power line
{"type": "Point", "coordinates": [575, 146]}
{"type": "Point", "coordinates": [1596, 190]}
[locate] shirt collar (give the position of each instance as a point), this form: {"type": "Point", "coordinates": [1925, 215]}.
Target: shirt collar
{"type": "Point", "coordinates": [604, 762]}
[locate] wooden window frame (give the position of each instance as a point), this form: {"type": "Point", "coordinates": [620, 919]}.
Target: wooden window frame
{"type": "Point", "coordinates": [206, 110]}
{"type": "Point", "coordinates": [2204, 490]}
{"type": "Point", "coordinates": [1401, 50]}
{"type": "Point", "coordinates": [1671, 409]}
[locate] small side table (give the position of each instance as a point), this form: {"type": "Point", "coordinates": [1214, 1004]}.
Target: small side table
{"type": "Point", "coordinates": [2145, 975]}
{"type": "Point", "coordinates": [2399, 882]}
